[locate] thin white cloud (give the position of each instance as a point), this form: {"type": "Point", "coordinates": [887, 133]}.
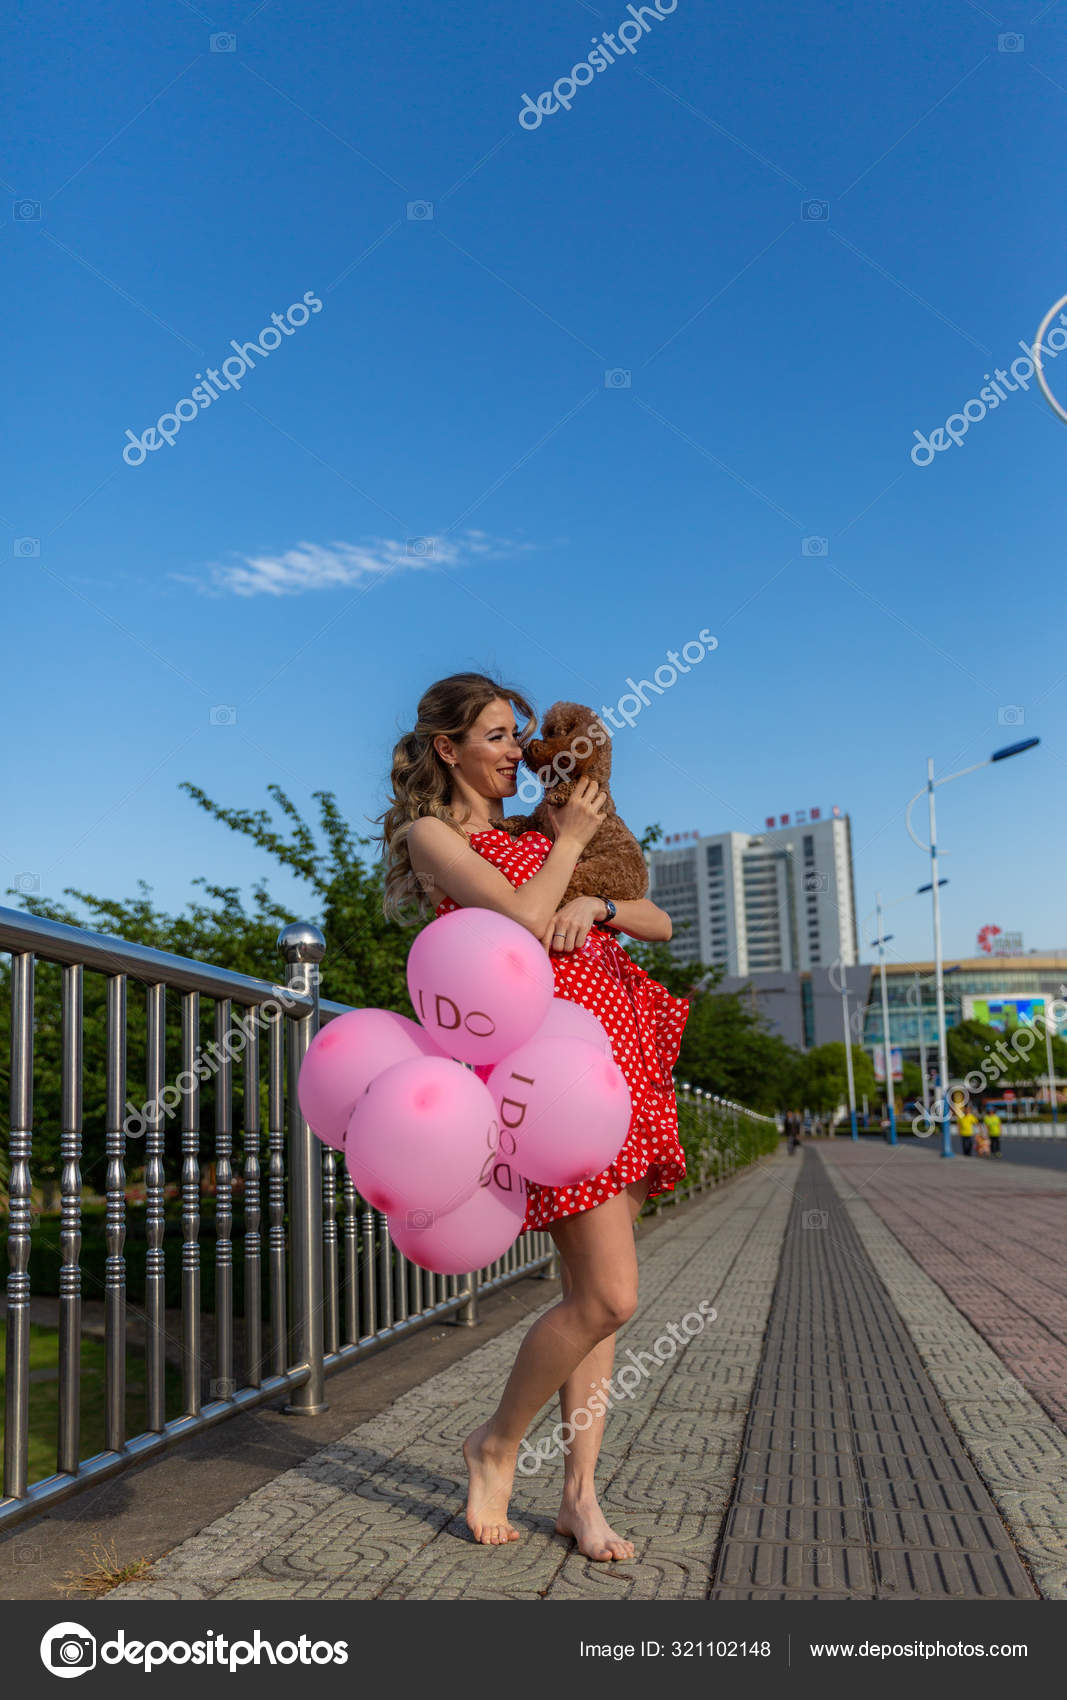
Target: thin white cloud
{"type": "Point", "coordinates": [334, 566]}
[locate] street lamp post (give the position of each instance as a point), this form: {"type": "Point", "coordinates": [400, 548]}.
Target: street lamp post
{"type": "Point", "coordinates": [1051, 1071]}
{"type": "Point", "coordinates": [887, 1054]}
{"type": "Point", "coordinates": [922, 1043]}
{"type": "Point", "coordinates": [942, 1043]}
{"type": "Point", "coordinates": [848, 1057]}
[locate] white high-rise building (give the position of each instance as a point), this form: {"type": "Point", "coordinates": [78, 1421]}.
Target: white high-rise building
{"type": "Point", "coordinates": [782, 899]}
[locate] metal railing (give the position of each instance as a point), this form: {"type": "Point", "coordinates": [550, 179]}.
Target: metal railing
{"type": "Point", "coordinates": [334, 1287]}
{"type": "Point", "coordinates": [334, 1293]}
{"type": "Point", "coordinates": [729, 1137]}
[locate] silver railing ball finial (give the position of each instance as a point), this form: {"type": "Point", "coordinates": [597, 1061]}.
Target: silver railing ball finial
{"type": "Point", "coordinates": [301, 941]}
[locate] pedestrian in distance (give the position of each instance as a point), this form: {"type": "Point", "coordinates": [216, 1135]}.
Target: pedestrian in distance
{"type": "Point", "coordinates": [991, 1122]}
{"type": "Point", "coordinates": [967, 1120]}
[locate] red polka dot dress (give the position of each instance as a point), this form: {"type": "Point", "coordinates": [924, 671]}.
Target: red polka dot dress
{"type": "Point", "coordinates": [644, 1022]}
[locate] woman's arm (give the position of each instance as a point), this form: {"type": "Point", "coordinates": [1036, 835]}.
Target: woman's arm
{"type": "Point", "coordinates": [474, 883]}
{"type": "Point", "coordinates": [643, 919]}
{"type": "Point", "coordinates": [640, 919]}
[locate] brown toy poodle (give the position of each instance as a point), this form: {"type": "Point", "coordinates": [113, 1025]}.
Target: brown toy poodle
{"type": "Point", "coordinates": [612, 863]}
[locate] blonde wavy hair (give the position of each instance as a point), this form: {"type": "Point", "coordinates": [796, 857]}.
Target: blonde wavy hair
{"type": "Point", "coordinates": [422, 782]}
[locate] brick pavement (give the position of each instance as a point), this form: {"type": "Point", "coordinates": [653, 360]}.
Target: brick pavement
{"type": "Point", "coordinates": [1017, 1448]}
{"type": "Point", "coordinates": [993, 1238]}
{"type": "Point", "coordinates": [951, 1478]}
{"type": "Point", "coordinates": [378, 1514]}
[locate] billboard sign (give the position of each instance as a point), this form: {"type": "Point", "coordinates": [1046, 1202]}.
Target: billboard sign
{"type": "Point", "coordinates": [1003, 1010]}
{"type": "Point", "coordinates": [896, 1059]}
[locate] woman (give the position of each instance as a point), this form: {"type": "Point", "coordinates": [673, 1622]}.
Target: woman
{"type": "Point", "coordinates": [446, 848]}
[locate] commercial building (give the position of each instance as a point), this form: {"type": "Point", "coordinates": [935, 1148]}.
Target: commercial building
{"type": "Point", "coordinates": [781, 901]}
{"type": "Point", "coordinates": [807, 1009]}
{"type": "Point", "coordinates": [999, 991]}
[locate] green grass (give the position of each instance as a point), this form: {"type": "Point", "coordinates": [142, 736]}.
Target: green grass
{"type": "Point", "coordinates": [44, 1397]}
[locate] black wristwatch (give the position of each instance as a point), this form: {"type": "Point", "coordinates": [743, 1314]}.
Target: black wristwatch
{"type": "Point", "coordinates": [610, 916]}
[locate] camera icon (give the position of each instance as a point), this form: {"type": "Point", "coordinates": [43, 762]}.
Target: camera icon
{"type": "Point", "coordinates": [26, 546]}
{"type": "Point", "coordinates": [1010, 43]}
{"type": "Point", "coordinates": [815, 546]}
{"type": "Point", "coordinates": [816, 1555]}
{"type": "Point", "coordinates": [421, 547]}
{"type": "Point", "coordinates": [27, 882]}
{"type": "Point", "coordinates": [223, 714]}
{"type": "Point", "coordinates": [27, 209]}
{"type": "Point", "coordinates": [27, 1554]}
{"type": "Point", "coordinates": [813, 1218]}
{"type": "Point", "coordinates": [814, 881]}
{"type": "Point", "coordinates": [224, 43]}
{"type": "Point", "coordinates": [222, 1387]}
{"type": "Point", "coordinates": [419, 1218]}
{"type": "Point", "coordinates": [1010, 714]}
{"type": "Point", "coordinates": [420, 211]}
{"type": "Point", "coordinates": [815, 210]}
{"type": "Point", "coordinates": [68, 1649]}
{"type": "Point", "coordinates": [616, 378]}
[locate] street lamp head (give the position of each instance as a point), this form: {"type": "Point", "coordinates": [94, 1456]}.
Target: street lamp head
{"type": "Point", "coordinates": [1014, 749]}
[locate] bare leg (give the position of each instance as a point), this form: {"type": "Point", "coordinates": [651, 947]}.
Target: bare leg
{"type": "Point", "coordinates": [600, 1253]}
{"type": "Point", "coordinates": [580, 1514]}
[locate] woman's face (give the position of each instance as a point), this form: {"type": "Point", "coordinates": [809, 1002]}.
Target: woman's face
{"type": "Point", "coordinates": [487, 760]}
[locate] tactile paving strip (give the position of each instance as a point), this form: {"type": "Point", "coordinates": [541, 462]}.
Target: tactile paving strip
{"type": "Point", "coordinates": [852, 1482]}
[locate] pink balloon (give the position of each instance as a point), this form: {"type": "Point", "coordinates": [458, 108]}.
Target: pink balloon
{"type": "Point", "coordinates": [469, 1237]}
{"type": "Point", "coordinates": [564, 1110]}
{"type": "Point", "coordinates": [480, 983]}
{"type": "Point", "coordinates": [567, 1020]}
{"type": "Point", "coordinates": [344, 1057]}
{"type": "Point", "coordinates": [420, 1136]}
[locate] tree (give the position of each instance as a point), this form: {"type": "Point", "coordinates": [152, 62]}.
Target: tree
{"type": "Point", "coordinates": [823, 1082]}
{"type": "Point", "coordinates": [364, 965]}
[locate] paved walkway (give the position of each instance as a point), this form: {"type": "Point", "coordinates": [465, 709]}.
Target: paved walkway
{"type": "Point", "coordinates": [849, 1426]}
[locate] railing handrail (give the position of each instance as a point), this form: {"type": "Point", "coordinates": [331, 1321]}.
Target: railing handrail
{"type": "Point", "coordinates": [58, 941]}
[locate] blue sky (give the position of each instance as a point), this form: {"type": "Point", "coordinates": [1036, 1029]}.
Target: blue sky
{"type": "Point", "coordinates": [611, 367]}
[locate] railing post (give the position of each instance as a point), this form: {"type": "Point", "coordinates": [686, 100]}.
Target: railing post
{"type": "Point", "coordinates": [304, 947]}
{"type": "Point", "coordinates": [467, 1314]}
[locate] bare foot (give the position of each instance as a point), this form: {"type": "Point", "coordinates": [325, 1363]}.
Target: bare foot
{"type": "Point", "coordinates": [491, 1475]}
{"type": "Point", "coordinates": [596, 1538]}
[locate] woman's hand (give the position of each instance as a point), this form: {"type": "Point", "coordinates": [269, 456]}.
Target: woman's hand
{"type": "Point", "coordinates": [573, 922]}
{"type": "Point", "coordinates": [582, 815]}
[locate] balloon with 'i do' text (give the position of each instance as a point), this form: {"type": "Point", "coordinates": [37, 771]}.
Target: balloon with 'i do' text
{"type": "Point", "coordinates": [480, 983]}
{"type": "Point", "coordinates": [564, 1020]}
{"type": "Point", "coordinates": [344, 1057]}
{"type": "Point", "coordinates": [420, 1135]}
{"type": "Point", "coordinates": [566, 1106]}
{"type": "Point", "coordinates": [567, 1020]}
{"type": "Point", "coordinates": [473, 1234]}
